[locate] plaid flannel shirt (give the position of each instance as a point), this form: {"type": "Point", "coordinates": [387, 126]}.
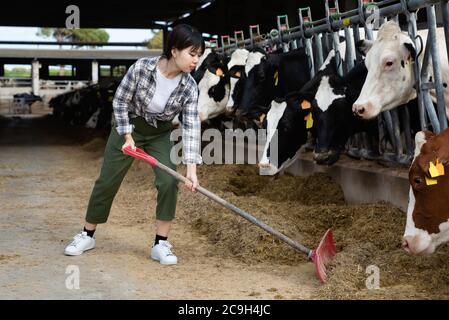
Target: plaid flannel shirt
{"type": "Point", "coordinates": [134, 95]}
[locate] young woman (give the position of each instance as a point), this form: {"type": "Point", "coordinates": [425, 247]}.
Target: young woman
{"type": "Point", "coordinates": [151, 94]}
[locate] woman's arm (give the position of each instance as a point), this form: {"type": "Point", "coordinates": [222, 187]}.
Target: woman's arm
{"type": "Point", "coordinates": [122, 99]}
{"type": "Point", "coordinates": [191, 138]}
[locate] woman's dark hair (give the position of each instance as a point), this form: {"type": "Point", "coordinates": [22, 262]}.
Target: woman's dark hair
{"type": "Point", "coordinates": [181, 37]}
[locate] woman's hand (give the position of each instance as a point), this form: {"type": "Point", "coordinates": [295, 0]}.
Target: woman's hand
{"type": "Point", "coordinates": [191, 175]}
{"type": "Point", "coordinates": [129, 141]}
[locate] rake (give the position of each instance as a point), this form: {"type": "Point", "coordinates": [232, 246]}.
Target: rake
{"type": "Point", "coordinates": [320, 256]}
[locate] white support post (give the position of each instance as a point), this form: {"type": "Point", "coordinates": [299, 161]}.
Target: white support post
{"type": "Point", "coordinates": [94, 72]}
{"type": "Point", "coordinates": [35, 84]}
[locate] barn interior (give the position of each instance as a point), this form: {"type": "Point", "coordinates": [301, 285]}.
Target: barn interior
{"type": "Point", "coordinates": [49, 161]}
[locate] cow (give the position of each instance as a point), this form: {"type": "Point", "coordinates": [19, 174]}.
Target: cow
{"type": "Point", "coordinates": [427, 224]}
{"type": "Point", "coordinates": [331, 97]}
{"type": "Point", "coordinates": [213, 85]}
{"type": "Point", "coordinates": [212, 79]}
{"type": "Point", "coordinates": [236, 69]}
{"type": "Point", "coordinates": [270, 77]}
{"type": "Point", "coordinates": [286, 132]}
{"type": "Point", "coordinates": [390, 80]}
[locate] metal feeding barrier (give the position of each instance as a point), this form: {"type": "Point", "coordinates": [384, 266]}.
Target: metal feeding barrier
{"type": "Point", "coordinates": [320, 36]}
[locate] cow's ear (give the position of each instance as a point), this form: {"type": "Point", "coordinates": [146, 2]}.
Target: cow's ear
{"type": "Point", "coordinates": [411, 48]}
{"type": "Point", "coordinates": [363, 46]}
{"type": "Point", "coordinates": [421, 138]}
{"type": "Point", "coordinates": [423, 156]}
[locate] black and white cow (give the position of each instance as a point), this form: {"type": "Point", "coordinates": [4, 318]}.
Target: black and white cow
{"type": "Point", "coordinates": [330, 97]}
{"type": "Point", "coordinates": [286, 128]}
{"type": "Point", "coordinates": [213, 84]}
{"type": "Point", "coordinates": [270, 77]}
{"type": "Point", "coordinates": [236, 69]}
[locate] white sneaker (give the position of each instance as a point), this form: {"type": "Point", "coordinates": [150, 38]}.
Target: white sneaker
{"type": "Point", "coordinates": [81, 242]}
{"type": "Point", "coordinates": [162, 253]}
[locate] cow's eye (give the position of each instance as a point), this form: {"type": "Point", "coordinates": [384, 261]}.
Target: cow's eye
{"type": "Point", "coordinates": [389, 63]}
{"type": "Point", "coordinates": [418, 180]}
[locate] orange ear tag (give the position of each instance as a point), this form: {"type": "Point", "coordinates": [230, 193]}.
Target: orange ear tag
{"type": "Point", "coordinates": [305, 105]}
{"type": "Point", "coordinates": [431, 182]}
{"type": "Point", "coordinates": [219, 72]}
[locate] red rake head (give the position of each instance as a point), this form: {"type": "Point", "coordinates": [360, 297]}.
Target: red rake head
{"type": "Point", "coordinates": [321, 256]}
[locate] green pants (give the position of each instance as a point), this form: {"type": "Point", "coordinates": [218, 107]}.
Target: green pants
{"type": "Point", "coordinates": [156, 142]}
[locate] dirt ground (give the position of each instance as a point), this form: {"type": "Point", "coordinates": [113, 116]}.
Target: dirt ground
{"type": "Point", "coordinates": [47, 173]}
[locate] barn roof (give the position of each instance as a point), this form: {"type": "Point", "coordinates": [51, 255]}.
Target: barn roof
{"type": "Point", "coordinates": [219, 17]}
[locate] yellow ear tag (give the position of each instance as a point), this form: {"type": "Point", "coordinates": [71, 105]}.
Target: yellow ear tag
{"type": "Point", "coordinates": [440, 168]}
{"type": "Point", "coordinates": [276, 78]}
{"type": "Point", "coordinates": [219, 72]}
{"type": "Point", "coordinates": [305, 104]}
{"type": "Point", "coordinates": [309, 121]}
{"type": "Point", "coordinates": [433, 170]}
{"type": "Point", "coordinates": [431, 182]}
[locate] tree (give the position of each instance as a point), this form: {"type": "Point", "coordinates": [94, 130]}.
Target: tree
{"type": "Point", "coordinates": [74, 35]}
{"type": "Point", "coordinates": [89, 35]}
{"type": "Point", "coordinates": [156, 42]}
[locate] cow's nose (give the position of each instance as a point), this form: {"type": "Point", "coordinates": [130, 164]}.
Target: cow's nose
{"type": "Point", "coordinates": [405, 244]}
{"type": "Point", "coordinates": [358, 109]}
{"type": "Point", "coordinates": [417, 245]}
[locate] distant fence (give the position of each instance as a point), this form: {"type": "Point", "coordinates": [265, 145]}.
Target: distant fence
{"type": "Point", "coordinates": [7, 82]}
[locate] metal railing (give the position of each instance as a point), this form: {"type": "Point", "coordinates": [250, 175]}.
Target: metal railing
{"type": "Point", "coordinates": [6, 82]}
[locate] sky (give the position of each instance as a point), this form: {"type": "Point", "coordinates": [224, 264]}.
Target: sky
{"type": "Point", "coordinates": [115, 35]}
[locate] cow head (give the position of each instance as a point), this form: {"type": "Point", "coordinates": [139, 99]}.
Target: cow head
{"type": "Point", "coordinates": [213, 91]}
{"type": "Point", "coordinates": [256, 97]}
{"type": "Point", "coordinates": [390, 79]}
{"type": "Point", "coordinates": [428, 213]}
{"type": "Point", "coordinates": [332, 111]}
{"type": "Point", "coordinates": [236, 67]}
{"type": "Point", "coordinates": [286, 133]}
{"type": "Point", "coordinates": [213, 84]}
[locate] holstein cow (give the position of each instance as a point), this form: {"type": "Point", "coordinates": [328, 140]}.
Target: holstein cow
{"type": "Point", "coordinates": [427, 215]}
{"type": "Point", "coordinates": [271, 77]}
{"type": "Point", "coordinates": [236, 69]}
{"type": "Point", "coordinates": [390, 80]}
{"type": "Point", "coordinates": [286, 125]}
{"type": "Point", "coordinates": [213, 84]}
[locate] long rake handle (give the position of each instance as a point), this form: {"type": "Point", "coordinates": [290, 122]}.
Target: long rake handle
{"type": "Point", "coordinates": [230, 206]}
{"type": "Point", "coordinates": [239, 211]}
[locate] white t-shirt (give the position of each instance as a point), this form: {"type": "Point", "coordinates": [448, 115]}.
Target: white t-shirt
{"type": "Point", "coordinates": [164, 89]}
